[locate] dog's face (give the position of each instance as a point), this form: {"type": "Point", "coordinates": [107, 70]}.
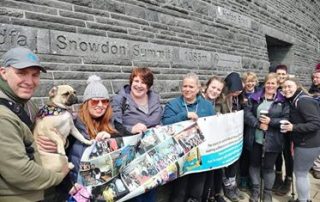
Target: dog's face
{"type": "Point", "coordinates": [63, 96]}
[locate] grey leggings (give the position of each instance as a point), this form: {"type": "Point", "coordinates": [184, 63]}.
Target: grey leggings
{"type": "Point", "coordinates": [302, 162]}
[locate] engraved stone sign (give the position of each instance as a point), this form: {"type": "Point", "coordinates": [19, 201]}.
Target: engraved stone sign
{"type": "Point", "coordinates": [11, 36]}
{"type": "Point", "coordinates": [103, 50]}
{"type": "Point", "coordinates": [233, 18]}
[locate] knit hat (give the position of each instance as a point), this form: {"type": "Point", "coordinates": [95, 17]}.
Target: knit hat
{"type": "Point", "coordinates": [317, 68]}
{"type": "Point", "coordinates": [95, 89]}
{"type": "Point", "coordinates": [20, 58]}
{"type": "Point", "coordinates": [233, 82]}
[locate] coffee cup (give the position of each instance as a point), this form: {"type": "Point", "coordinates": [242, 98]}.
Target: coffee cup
{"type": "Point", "coordinates": [282, 125]}
{"type": "Point", "coordinates": [264, 112]}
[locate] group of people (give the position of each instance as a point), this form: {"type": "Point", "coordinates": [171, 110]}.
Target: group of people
{"type": "Point", "coordinates": [276, 113]}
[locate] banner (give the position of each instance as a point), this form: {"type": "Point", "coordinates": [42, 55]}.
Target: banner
{"type": "Point", "coordinates": [122, 168]}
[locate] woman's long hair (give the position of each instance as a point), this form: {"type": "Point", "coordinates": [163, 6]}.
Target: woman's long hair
{"type": "Point", "coordinates": [96, 125]}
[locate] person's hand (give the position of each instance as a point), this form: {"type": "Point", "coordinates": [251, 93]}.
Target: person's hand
{"type": "Point", "coordinates": [75, 188]}
{"type": "Point", "coordinates": [65, 166]}
{"type": "Point", "coordinates": [138, 128]}
{"type": "Point", "coordinates": [102, 135]}
{"type": "Point", "coordinates": [264, 119]}
{"type": "Point", "coordinates": [287, 127]}
{"type": "Point", "coordinates": [263, 126]}
{"type": "Point", "coordinates": [193, 116]}
{"type": "Point", "coordinates": [45, 144]}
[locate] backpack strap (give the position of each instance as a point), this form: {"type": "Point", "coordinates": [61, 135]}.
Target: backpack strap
{"type": "Point", "coordinates": [23, 116]}
{"type": "Point", "coordinates": [295, 101]}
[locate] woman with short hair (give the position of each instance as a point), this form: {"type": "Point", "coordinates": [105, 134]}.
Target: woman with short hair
{"type": "Point", "coordinates": [264, 139]}
{"type": "Point", "coordinates": [189, 106]}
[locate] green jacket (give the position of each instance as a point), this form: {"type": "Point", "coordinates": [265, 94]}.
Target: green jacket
{"type": "Point", "coordinates": [21, 179]}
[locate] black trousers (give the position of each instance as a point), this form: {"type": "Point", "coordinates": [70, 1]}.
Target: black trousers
{"type": "Point", "coordinates": [213, 184]}
{"type": "Point", "coordinates": [189, 186]}
{"type": "Point", "coordinates": [288, 160]}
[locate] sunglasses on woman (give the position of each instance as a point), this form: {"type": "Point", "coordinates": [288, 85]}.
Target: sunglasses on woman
{"type": "Point", "coordinates": [95, 102]}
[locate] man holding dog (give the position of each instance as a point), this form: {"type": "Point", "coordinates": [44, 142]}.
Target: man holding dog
{"type": "Point", "coordinates": [22, 178]}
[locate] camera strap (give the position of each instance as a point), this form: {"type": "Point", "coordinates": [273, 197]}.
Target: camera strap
{"type": "Point", "coordinates": [23, 116]}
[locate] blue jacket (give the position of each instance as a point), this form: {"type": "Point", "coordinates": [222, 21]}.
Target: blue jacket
{"type": "Point", "coordinates": [279, 110]}
{"type": "Point", "coordinates": [175, 110]}
{"type": "Point", "coordinates": [127, 112]}
{"type": "Point", "coordinates": [76, 149]}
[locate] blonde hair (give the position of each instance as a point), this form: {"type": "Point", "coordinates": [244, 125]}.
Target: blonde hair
{"type": "Point", "coordinates": [271, 76]}
{"type": "Point", "coordinates": [249, 76]}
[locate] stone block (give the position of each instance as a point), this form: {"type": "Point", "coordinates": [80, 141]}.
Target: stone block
{"type": "Point", "coordinates": [42, 24]}
{"type": "Point", "coordinates": [11, 12]}
{"type": "Point", "coordinates": [79, 16]}
{"type": "Point", "coordinates": [28, 7]}
{"type": "Point", "coordinates": [92, 11]}
{"type": "Point", "coordinates": [54, 19]}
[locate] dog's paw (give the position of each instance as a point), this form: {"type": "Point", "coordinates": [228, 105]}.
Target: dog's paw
{"type": "Point", "coordinates": [71, 166]}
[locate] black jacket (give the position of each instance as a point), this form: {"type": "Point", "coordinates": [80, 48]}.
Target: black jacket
{"type": "Point", "coordinates": [305, 117]}
{"type": "Point", "coordinates": [278, 111]}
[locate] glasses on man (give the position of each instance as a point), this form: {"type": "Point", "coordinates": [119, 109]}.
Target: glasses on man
{"type": "Point", "coordinates": [95, 102]}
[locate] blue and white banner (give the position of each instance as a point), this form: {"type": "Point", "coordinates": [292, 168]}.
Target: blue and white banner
{"type": "Point", "coordinates": [122, 168]}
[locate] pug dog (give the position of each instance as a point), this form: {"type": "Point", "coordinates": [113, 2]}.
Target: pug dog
{"type": "Point", "coordinates": [55, 122]}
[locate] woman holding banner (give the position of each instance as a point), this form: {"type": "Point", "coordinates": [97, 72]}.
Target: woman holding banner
{"type": "Point", "coordinates": [213, 93]}
{"type": "Point", "coordinates": [265, 109]}
{"type": "Point", "coordinates": [94, 122]}
{"type": "Point", "coordinates": [189, 106]}
{"type": "Point", "coordinates": [234, 102]}
{"type": "Point", "coordinates": [136, 108]}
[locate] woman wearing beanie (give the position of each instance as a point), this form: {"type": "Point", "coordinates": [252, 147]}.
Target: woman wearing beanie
{"type": "Point", "coordinates": [136, 108]}
{"type": "Point", "coordinates": [93, 122]}
{"type": "Point", "coordinates": [234, 101]}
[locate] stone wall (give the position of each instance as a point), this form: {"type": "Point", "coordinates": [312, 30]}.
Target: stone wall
{"type": "Point", "coordinates": [75, 39]}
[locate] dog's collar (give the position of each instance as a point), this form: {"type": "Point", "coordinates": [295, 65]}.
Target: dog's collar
{"type": "Point", "coordinates": [47, 110]}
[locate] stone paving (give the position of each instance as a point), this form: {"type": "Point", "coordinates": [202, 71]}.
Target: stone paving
{"type": "Point", "coordinates": [315, 193]}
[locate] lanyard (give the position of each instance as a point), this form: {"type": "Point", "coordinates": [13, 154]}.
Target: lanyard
{"type": "Point", "coordinates": [185, 105]}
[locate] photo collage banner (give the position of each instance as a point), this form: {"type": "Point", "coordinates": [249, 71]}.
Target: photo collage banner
{"type": "Point", "coordinates": [118, 169]}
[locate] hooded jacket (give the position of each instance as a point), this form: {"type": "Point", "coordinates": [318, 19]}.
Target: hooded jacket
{"type": "Point", "coordinates": [304, 115]}
{"type": "Point", "coordinates": [21, 179]}
{"type": "Point", "coordinates": [278, 111]}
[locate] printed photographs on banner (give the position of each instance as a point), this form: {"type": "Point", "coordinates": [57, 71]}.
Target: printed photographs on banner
{"type": "Point", "coordinates": [96, 172]}
{"type": "Point", "coordinates": [105, 146]}
{"type": "Point", "coordinates": [113, 190]}
{"type": "Point", "coordinates": [127, 154]}
{"type": "Point", "coordinates": [148, 141]}
{"type": "Point", "coordinates": [164, 132]}
{"type": "Point", "coordinates": [169, 174]}
{"type": "Point", "coordinates": [165, 153]}
{"type": "Point", "coordinates": [190, 138]}
{"type": "Point", "coordinates": [192, 160]}
{"type": "Point", "coordinates": [138, 172]}
{"type": "Point", "coordinates": [166, 175]}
